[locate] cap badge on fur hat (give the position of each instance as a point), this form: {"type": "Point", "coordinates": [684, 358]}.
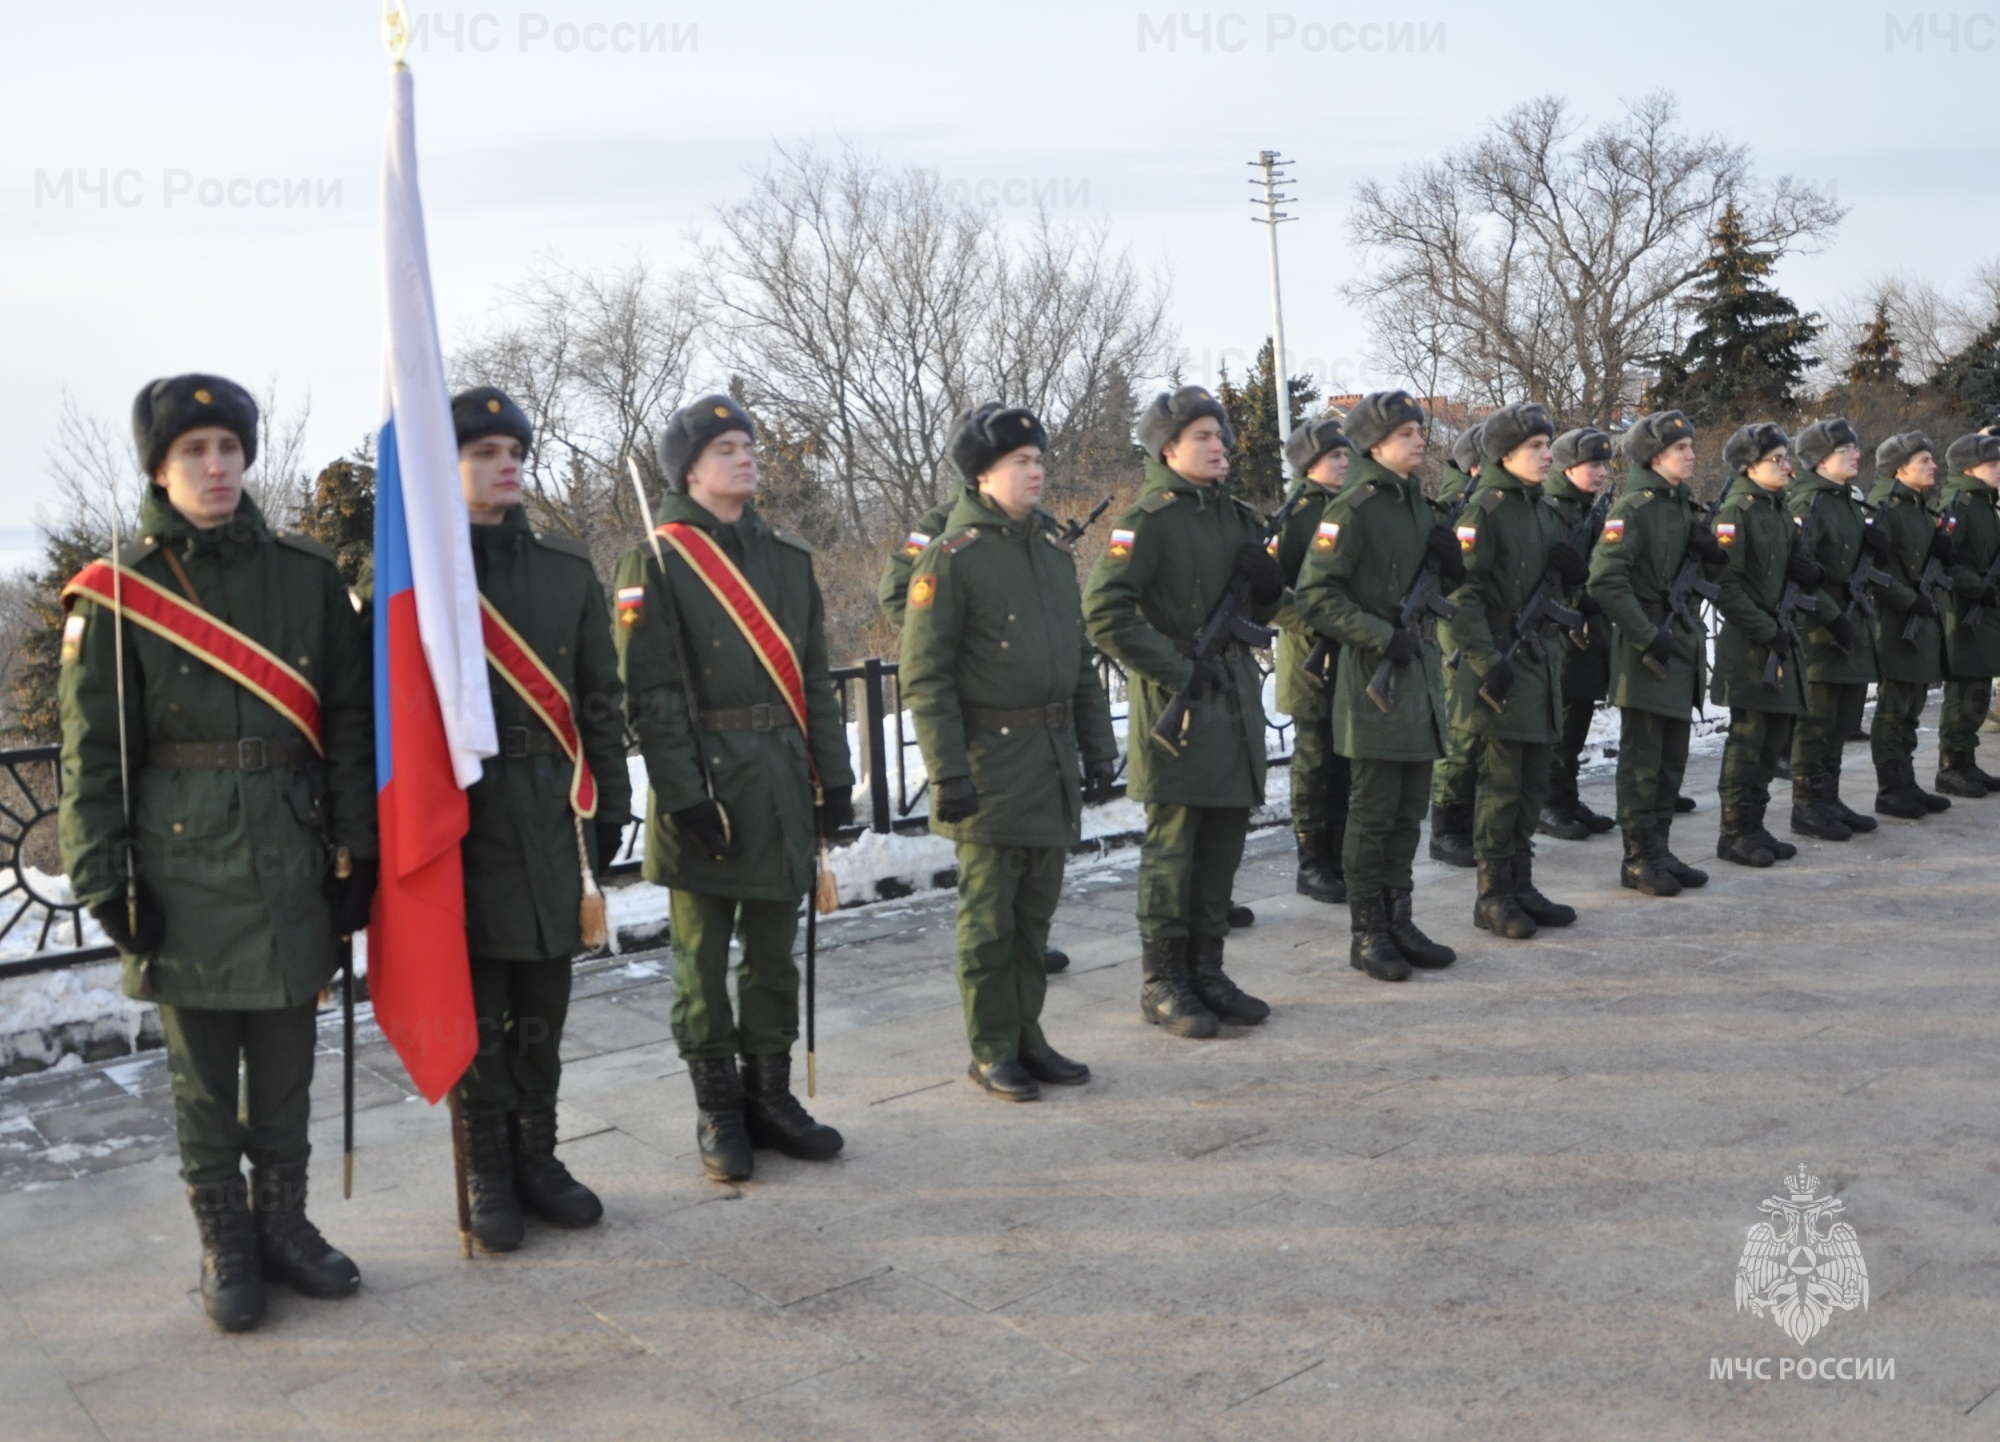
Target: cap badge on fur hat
{"type": "Point", "coordinates": [204, 397]}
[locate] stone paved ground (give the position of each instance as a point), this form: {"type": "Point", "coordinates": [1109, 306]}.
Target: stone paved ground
{"type": "Point", "coordinates": [1504, 1201]}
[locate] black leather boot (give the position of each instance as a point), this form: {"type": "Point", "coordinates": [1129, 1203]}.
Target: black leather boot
{"type": "Point", "coordinates": [1241, 917]}
{"type": "Point", "coordinates": [1165, 997]}
{"type": "Point", "coordinates": [775, 1118]}
{"type": "Point", "coordinates": [1417, 949]}
{"type": "Point", "coordinates": [1494, 909]}
{"type": "Point", "coordinates": [1598, 824]}
{"type": "Point", "coordinates": [497, 1223]}
{"type": "Point", "coordinates": [1372, 949]}
{"type": "Point", "coordinates": [232, 1284]}
{"type": "Point", "coordinates": [1933, 802]}
{"type": "Point", "coordinates": [1054, 959]}
{"type": "Point", "coordinates": [1857, 821]}
{"type": "Point", "coordinates": [718, 1120]}
{"type": "Point", "coordinates": [1688, 876]}
{"type": "Point", "coordinates": [1641, 870]}
{"type": "Point", "coordinates": [1955, 777]}
{"type": "Point", "coordinates": [1451, 835]}
{"type": "Point", "coordinates": [1895, 796]}
{"type": "Point", "coordinates": [1761, 834]}
{"type": "Point", "coordinates": [1737, 843]}
{"type": "Point", "coordinates": [1984, 778]}
{"type": "Point", "coordinates": [541, 1181]}
{"type": "Point", "coordinates": [1560, 820]}
{"type": "Point", "coordinates": [289, 1247]}
{"type": "Point", "coordinates": [1319, 874]}
{"type": "Point", "coordinates": [1813, 812]}
{"type": "Point", "coordinates": [1541, 910]}
{"type": "Point", "coordinates": [1213, 988]}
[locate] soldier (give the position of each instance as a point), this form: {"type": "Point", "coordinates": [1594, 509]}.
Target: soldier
{"type": "Point", "coordinates": [1580, 465]}
{"type": "Point", "coordinates": [1972, 629]}
{"type": "Point", "coordinates": [734, 753]}
{"type": "Point", "coordinates": [1837, 676]}
{"type": "Point", "coordinates": [1905, 481]}
{"type": "Point", "coordinates": [1511, 708]}
{"type": "Point", "coordinates": [250, 738]}
{"type": "Point", "coordinates": [1760, 659]}
{"type": "Point", "coordinates": [1373, 540]}
{"type": "Point", "coordinates": [1656, 661]}
{"type": "Point", "coordinates": [1319, 453]}
{"type": "Point", "coordinates": [1185, 541]}
{"type": "Point", "coordinates": [1453, 779]}
{"type": "Point", "coordinates": [1004, 691]}
{"type": "Point", "coordinates": [558, 703]}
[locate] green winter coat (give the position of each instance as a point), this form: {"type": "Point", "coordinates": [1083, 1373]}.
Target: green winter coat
{"type": "Point", "coordinates": [1637, 557]}
{"type": "Point", "coordinates": [1907, 517]}
{"type": "Point", "coordinates": [1586, 667]}
{"type": "Point", "coordinates": [236, 860]}
{"type": "Point", "coordinates": [523, 878]}
{"type": "Point", "coordinates": [1170, 559]}
{"type": "Point", "coordinates": [1974, 653]}
{"type": "Point", "coordinates": [893, 590]}
{"type": "Point", "coordinates": [1371, 542]}
{"type": "Point", "coordinates": [998, 626]}
{"type": "Point", "coordinates": [1300, 696]}
{"type": "Point", "coordinates": [761, 778]}
{"type": "Point", "coordinates": [1833, 538]}
{"type": "Point", "coordinates": [1505, 534]}
{"type": "Point", "coordinates": [1758, 532]}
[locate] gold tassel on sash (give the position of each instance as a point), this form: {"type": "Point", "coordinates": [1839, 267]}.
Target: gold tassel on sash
{"type": "Point", "coordinates": [590, 914]}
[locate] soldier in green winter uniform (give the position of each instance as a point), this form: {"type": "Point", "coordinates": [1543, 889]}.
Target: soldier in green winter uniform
{"type": "Point", "coordinates": [1972, 614]}
{"type": "Point", "coordinates": [1454, 779]}
{"type": "Point", "coordinates": [523, 866]}
{"type": "Point", "coordinates": [1374, 538]}
{"type": "Point", "coordinates": [731, 824]}
{"type": "Point", "coordinates": [1580, 469]}
{"type": "Point", "coordinates": [1769, 557]}
{"type": "Point", "coordinates": [1004, 691]}
{"type": "Point", "coordinates": [1511, 708]}
{"type": "Point", "coordinates": [1184, 541]}
{"type": "Point", "coordinates": [1654, 526]}
{"type": "Point", "coordinates": [235, 819]}
{"type": "Point", "coordinates": [1904, 501]}
{"type": "Point", "coordinates": [1837, 674]}
{"type": "Point", "coordinates": [1319, 453]}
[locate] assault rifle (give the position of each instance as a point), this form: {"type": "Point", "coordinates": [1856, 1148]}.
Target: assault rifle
{"type": "Point", "coordinates": [1791, 601]}
{"type": "Point", "coordinates": [1073, 532]}
{"type": "Point", "coordinates": [1689, 582]}
{"type": "Point", "coordinates": [1593, 526]}
{"type": "Point", "coordinates": [1319, 659]}
{"type": "Point", "coordinates": [1226, 622]}
{"type": "Point", "coordinates": [1934, 582]}
{"type": "Point", "coordinates": [1542, 608]}
{"type": "Point", "coordinates": [1976, 612]}
{"type": "Point", "coordinates": [1862, 579]}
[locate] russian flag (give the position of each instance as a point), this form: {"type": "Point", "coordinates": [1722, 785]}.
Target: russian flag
{"type": "Point", "coordinates": [433, 708]}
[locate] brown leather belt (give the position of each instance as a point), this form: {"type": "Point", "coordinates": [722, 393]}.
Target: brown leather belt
{"type": "Point", "coordinates": [764, 716]}
{"type": "Point", "coordinates": [1053, 717]}
{"type": "Point", "coordinates": [250, 753]}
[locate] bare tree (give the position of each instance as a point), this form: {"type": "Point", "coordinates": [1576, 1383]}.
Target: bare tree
{"type": "Point", "coordinates": [1930, 323]}
{"type": "Point", "coordinates": [279, 476]}
{"type": "Point", "coordinates": [1542, 263]}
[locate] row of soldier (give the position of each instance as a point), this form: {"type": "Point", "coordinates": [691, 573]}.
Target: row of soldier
{"type": "Point", "coordinates": [237, 689]}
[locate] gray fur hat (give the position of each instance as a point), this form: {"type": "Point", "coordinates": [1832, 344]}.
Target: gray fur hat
{"type": "Point", "coordinates": [1377, 415]}
{"type": "Point", "coordinates": [1580, 447]}
{"type": "Point", "coordinates": [1973, 450]}
{"type": "Point", "coordinates": [1750, 444]}
{"type": "Point", "coordinates": [1313, 440]}
{"type": "Point", "coordinates": [1822, 438]}
{"type": "Point", "coordinates": [168, 409]}
{"type": "Point", "coordinates": [1652, 434]}
{"type": "Point", "coordinates": [689, 430]}
{"type": "Point", "coordinates": [1465, 452]}
{"type": "Point", "coordinates": [1173, 412]}
{"type": "Point", "coordinates": [1513, 426]}
{"type": "Point", "coordinates": [1899, 450]}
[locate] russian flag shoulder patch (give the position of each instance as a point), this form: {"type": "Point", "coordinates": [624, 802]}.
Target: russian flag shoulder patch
{"type": "Point", "coordinates": [1614, 531]}
{"type": "Point", "coordinates": [1121, 542]}
{"type": "Point", "coordinates": [1327, 537]}
{"type": "Point", "coordinates": [631, 605]}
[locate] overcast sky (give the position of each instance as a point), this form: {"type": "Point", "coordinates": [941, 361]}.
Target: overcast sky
{"type": "Point", "coordinates": [528, 148]}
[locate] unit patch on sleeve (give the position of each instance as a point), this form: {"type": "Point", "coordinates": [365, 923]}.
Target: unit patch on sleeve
{"type": "Point", "coordinates": [1468, 537]}
{"type": "Point", "coordinates": [1614, 531]}
{"type": "Point", "coordinates": [923, 591]}
{"type": "Point", "coordinates": [1725, 532]}
{"type": "Point", "coordinates": [631, 605]}
{"type": "Point", "coordinates": [1327, 537]}
{"type": "Point", "coordinates": [1121, 543]}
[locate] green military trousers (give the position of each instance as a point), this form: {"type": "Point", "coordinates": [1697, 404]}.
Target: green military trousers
{"type": "Point", "coordinates": [1960, 717]}
{"type": "Point", "coordinates": [1567, 761]}
{"type": "Point", "coordinates": [1757, 741]}
{"type": "Point", "coordinates": [1652, 760]}
{"type": "Point", "coordinates": [1187, 867]}
{"type": "Point", "coordinates": [766, 1019]}
{"type": "Point", "coordinates": [1512, 787]}
{"type": "Point", "coordinates": [1006, 897]}
{"type": "Point", "coordinates": [1454, 779]}
{"type": "Point", "coordinates": [1832, 714]}
{"type": "Point", "coordinates": [1385, 819]}
{"type": "Point", "coordinates": [1892, 739]}
{"type": "Point", "coordinates": [1320, 781]}
{"type": "Point", "coordinates": [521, 1006]}
{"type": "Point", "coordinates": [242, 1083]}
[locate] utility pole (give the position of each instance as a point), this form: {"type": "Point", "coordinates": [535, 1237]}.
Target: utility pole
{"type": "Point", "coordinates": [1273, 167]}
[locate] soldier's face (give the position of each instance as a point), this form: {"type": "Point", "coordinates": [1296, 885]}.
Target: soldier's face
{"type": "Point", "coordinates": [1987, 473]}
{"type": "Point", "coordinates": [203, 475]}
{"type": "Point", "coordinates": [726, 469]}
{"type": "Point", "coordinates": [1773, 471]}
{"type": "Point", "coordinates": [1402, 450]}
{"type": "Point", "coordinates": [489, 470]}
{"type": "Point", "coordinates": [1197, 453]}
{"type": "Point", "coordinates": [1529, 462]}
{"type": "Point", "coordinates": [1676, 462]}
{"type": "Point", "coordinates": [1590, 476]}
{"type": "Point", "coordinates": [1330, 470]}
{"type": "Point", "coordinates": [1014, 482]}
{"type": "Point", "coordinates": [1918, 471]}
{"type": "Point", "coordinates": [1842, 465]}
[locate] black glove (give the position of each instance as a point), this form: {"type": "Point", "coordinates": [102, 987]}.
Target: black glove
{"type": "Point", "coordinates": [351, 895]}
{"type": "Point", "coordinates": [1943, 549]}
{"type": "Point", "coordinates": [1842, 631]}
{"type": "Point", "coordinates": [1211, 678]}
{"type": "Point", "coordinates": [1701, 540]}
{"type": "Point", "coordinates": [1443, 548]}
{"type": "Point", "coordinates": [1989, 598]}
{"type": "Point", "coordinates": [1402, 646]}
{"type": "Point", "coordinates": [152, 924]}
{"type": "Point", "coordinates": [1923, 606]}
{"type": "Point", "coordinates": [610, 838]}
{"type": "Point", "coordinates": [1588, 605]}
{"type": "Point", "coordinates": [1804, 569]}
{"type": "Point", "coordinates": [1259, 573]}
{"type": "Point", "coordinates": [1661, 647]}
{"type": "Point", "coordinates": [1875, 542]}
{"type": "Point", "coordinates": [703, 824]}
{"type": "Point", "coordinates": [836, 809]}
{"type": "Point", "coordinates": [1498, 680]}
{"type": "Point", "coordinates": [1098, 779]}
{"type": "Point", "coordinates": [956, 799]}
{"type": "Point", "coordinates": [1568, 564]}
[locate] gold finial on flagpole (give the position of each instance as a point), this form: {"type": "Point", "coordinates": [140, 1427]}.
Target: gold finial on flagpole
{"type": "Point", "coordinates": [395, 29]}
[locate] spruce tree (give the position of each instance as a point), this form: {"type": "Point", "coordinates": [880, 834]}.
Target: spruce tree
{"type": "Point", "coordinates": [67, 549]}
{"type": "Point", "coordinates": [1970, 380]}
{"type": "Point", "coordinates": [1748, 349]}
{"type": "Point", "coordinates": [1878, 359]}
{"type": "Point", "coordinates": [1257, 463]}
{"type": "Point", "coordinates": [339, 511]}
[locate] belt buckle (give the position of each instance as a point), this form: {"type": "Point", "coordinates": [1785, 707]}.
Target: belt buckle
{"type": "Point", "coordinates": [760, 717]}
{"type": "Point", "coordinates": [252, 754]}
{"type": "Point", "coordinates": [1053, 715]}
{"type": "Point", "coordinates": [514, 742]}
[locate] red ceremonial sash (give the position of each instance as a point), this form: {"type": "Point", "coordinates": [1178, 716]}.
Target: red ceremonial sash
{"type": "Point", "coordinates": [747, 609]}
{"type": "Point", "coordinates": [537, 685]}
{"type": "Point", "coordinates": [217, 644]}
